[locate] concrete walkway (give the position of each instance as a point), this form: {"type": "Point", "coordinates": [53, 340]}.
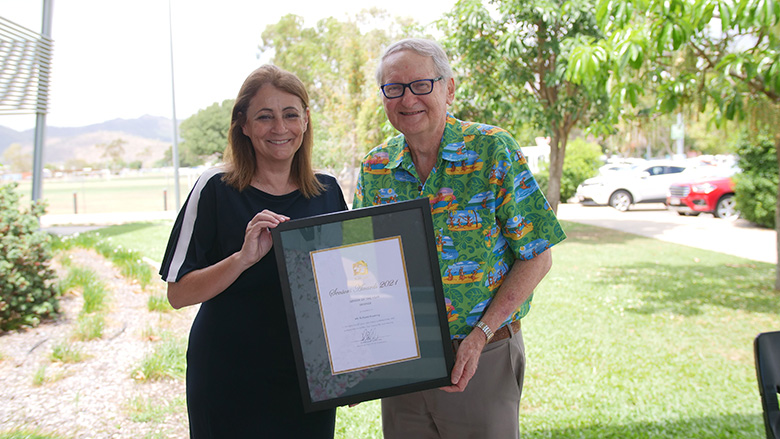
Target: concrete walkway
{"type": "Point", "coordinates": [739, 238]}
{"type": "Point", "coordinates": [68, 224]}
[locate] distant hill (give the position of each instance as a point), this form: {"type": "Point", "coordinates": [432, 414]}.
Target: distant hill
{"type": "Point", "coordinates": [147, 138]}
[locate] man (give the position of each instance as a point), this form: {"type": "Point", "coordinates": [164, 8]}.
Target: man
{"type": "Point", "coordinates": [494, 229]}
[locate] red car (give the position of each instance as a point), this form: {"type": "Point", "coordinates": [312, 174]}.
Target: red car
{"type": "Point", "coordinates": [710, 195]}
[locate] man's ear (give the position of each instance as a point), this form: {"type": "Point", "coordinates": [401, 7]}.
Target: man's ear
{"type": "Point", "coordinates": [450, 91]}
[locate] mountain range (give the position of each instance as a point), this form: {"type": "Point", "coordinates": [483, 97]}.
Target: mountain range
{"type": "Point", "coordinates": [145, 139]}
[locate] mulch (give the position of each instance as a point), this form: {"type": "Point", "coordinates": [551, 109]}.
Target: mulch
{"type": "Point", "coordinates": [93, 398]}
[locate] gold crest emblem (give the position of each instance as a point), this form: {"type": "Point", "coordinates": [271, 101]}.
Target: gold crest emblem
{"type": "Point", "coordinates": [360, 268]}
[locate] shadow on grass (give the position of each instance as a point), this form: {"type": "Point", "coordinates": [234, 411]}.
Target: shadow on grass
{"type": "Point", "coordinates": [708, 427]}
{"type": "Point", "coordinates": [684, 289]}
{"type": "Point", "coordinates": [593, 234]}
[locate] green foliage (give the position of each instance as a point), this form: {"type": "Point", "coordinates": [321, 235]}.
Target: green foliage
{"type": "Point", "coordinates": [93, 290]}
{"type": "Point", "coordinates": [113, 151]}
{"type": "Point", "coordinates": [336, 60]}
{"type": "Point", "coordinates": [167, 361]}
{"type": "Point", "coordinates": [159, 303]}
{"type": "Point", "coordinates": [17, 159]}
{"type": "Point", "coordinates": [142, 409]}
{"type": "Point", "coordinates": [39, 377]}
{"type": "Point", "coordinates": [129, 262]}
{"type": "Point", "coordinates": [89, 326]}
{"type": "Point", "coordinates": [66, 353]}
{"type": "Point", "coordinates": [27, 293]}
{"type": "Point", "coordinates": [205, 134]}
{"type": "Point", "coordinates": [583, 159]}
{"type": "Point", "coordinates": [529, 64]}
{"type": "Point", "coordinates": [756, 186]}
{"type": "Point", "coordinates": [582, 162]}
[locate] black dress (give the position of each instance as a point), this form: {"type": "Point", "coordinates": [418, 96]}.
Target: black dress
{"type": "Point", "coordinates": [241, 379]}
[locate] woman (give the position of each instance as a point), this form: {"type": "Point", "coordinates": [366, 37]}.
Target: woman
{"type": "Point", "coordinates": [241, 379]}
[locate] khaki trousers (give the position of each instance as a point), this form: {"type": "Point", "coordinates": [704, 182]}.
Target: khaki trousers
{"type": "Point", "coordinates": [487, 409]}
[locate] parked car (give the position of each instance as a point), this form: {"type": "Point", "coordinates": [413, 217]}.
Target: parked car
{"type": "Point", "coordinates": [647, 182]}
{"type": "Point", "coordinates": [711, 195]}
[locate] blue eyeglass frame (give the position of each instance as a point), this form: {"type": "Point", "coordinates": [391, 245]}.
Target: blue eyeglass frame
{"type": "Point", "coordinates": [409, 86]}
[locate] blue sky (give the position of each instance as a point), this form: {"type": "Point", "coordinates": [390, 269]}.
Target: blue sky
{"type": "Point", "coordinates": [112, 58]}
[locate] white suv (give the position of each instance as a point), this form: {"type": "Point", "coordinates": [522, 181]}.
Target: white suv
{"type": "Point", "coordinates": [643, 183]}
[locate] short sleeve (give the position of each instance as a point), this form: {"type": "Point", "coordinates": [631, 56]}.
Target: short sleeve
{"type": "Point", "coordinates": [194, 231]}
{"type": "Point", "coordinates": [527, 219]}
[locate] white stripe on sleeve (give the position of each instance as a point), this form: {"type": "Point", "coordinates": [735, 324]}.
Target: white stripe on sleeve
{"type": "Point", "coordinates": [188, 224]}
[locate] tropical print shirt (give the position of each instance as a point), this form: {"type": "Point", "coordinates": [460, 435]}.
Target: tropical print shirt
{"type": "Point", "coordinates": [487, 211]}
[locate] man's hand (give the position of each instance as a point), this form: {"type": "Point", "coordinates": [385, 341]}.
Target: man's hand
{"type": "Point", "coordinates": [466, 361]}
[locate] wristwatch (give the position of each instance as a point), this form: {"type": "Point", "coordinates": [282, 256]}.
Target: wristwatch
{"type": "Point", "coordinates": [486, 329]}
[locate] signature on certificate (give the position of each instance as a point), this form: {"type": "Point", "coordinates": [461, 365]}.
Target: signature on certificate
{"type": "Point", "coordinates": [369, 335]}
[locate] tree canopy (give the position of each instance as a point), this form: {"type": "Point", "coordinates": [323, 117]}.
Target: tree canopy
{"type": "Point", "coordinates": [205, 134]}
{"type": "Point", "coordinates": [336, 60]}
{"type": "Point", "coordinates": [512, 65]}
{"type": "Point", "coordinates": [715, 56]}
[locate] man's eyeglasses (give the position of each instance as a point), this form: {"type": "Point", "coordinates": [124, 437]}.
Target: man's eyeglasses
{"type": "Point", "coordinates": [420, 87]}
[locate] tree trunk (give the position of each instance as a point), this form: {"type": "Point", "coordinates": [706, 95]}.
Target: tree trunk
{"type": "Point", "coordinates": [557, 153]}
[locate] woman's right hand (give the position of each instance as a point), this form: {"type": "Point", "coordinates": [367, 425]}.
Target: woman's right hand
{"type": "Point", "coordinates": [201, 285]}
{"type": "Point", "coordinates": [257, 238]}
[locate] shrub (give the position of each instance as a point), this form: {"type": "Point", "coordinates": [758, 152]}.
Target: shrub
{"type": "Point", "coordinates": [27, 293]}
{"type": "Point", "coordinates": [582, 161]}
{"type": "Point", "coordinates": [756, 186]}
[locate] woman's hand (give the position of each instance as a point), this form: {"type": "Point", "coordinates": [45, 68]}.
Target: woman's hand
{"type": "Point", "coordinates": [201, 285]}
{"type": "Point", "coordinates": [257, 238]}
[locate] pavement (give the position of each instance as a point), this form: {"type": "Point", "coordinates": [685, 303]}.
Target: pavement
{"type": "Point", "coordinates": [68, 224]}
{"type": "Point", "coordinates": [739, 238]}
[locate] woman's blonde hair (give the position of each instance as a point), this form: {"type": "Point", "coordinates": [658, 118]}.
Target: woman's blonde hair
{"type": "Point", "coordinates": [239, 155]}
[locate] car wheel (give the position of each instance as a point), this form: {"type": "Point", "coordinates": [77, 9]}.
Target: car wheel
{"type": "Point", "coordinates": [620, 200]}
{"type": "Point", "coordinates": [726, 208]}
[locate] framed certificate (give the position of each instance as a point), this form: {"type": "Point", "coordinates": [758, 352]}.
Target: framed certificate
{"type": "Point", "coordinates": [364, 303]}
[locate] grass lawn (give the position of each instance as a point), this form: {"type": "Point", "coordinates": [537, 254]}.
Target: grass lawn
{"type": "Point", "coordinates": [628, 337]}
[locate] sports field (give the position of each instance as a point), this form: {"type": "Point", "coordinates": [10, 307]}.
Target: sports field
{"type": "Point", "coordinates": [150, 191]}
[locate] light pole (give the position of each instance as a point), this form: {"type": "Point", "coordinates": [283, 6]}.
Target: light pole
{"type": "Point", "coordinates": [175, 155]}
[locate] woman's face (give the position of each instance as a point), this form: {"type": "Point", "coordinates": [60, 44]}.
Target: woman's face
{"type": "Point", "coordinates": [275, 123]}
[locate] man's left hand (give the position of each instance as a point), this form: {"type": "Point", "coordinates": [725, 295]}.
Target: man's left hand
{"type": "Point", "coordinates": [466, 361]}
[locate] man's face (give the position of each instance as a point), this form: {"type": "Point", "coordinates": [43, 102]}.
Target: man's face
{"type": "Point", "coordinates": [416, 116]}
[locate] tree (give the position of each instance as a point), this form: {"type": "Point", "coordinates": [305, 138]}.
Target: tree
{"type": "Point", "coordinates": [114, 151]}
{"type": "Point", "coordinates": [205, 134]}
{"type": "Point", "coordinates": [336, 61]}
{"type": "Point", "coordinates": [16, 159]}
{"type": "Point", "coordinates": [512, 69]}
{"type": "Point", "coordinates": [704, 55]}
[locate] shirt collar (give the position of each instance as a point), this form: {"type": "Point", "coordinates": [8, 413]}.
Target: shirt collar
{"type": "Point", "coordinates": [398, 150]}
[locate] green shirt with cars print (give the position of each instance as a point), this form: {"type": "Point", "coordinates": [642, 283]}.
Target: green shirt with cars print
{"type": "Point", "coordinates": [487, 211]}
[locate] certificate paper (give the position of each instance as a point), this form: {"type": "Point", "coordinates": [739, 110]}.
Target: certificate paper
{"type": "Point", "coordinates": [365, 304]}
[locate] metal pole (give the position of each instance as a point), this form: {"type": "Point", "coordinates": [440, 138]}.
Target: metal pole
{"type": "Point", "coordinates": [40, 115]}
{"type": "Point", "coordinates": [175, 131]}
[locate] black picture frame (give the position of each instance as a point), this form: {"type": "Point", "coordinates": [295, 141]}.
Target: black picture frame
{"type": "Point", "coordinates": [293, 243]}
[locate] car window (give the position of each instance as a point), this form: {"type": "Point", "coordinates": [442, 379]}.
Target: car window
{"type": "Point", "coordinates": [655, 170]}
{"type": "Point", "coordinates": [675, 169]}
